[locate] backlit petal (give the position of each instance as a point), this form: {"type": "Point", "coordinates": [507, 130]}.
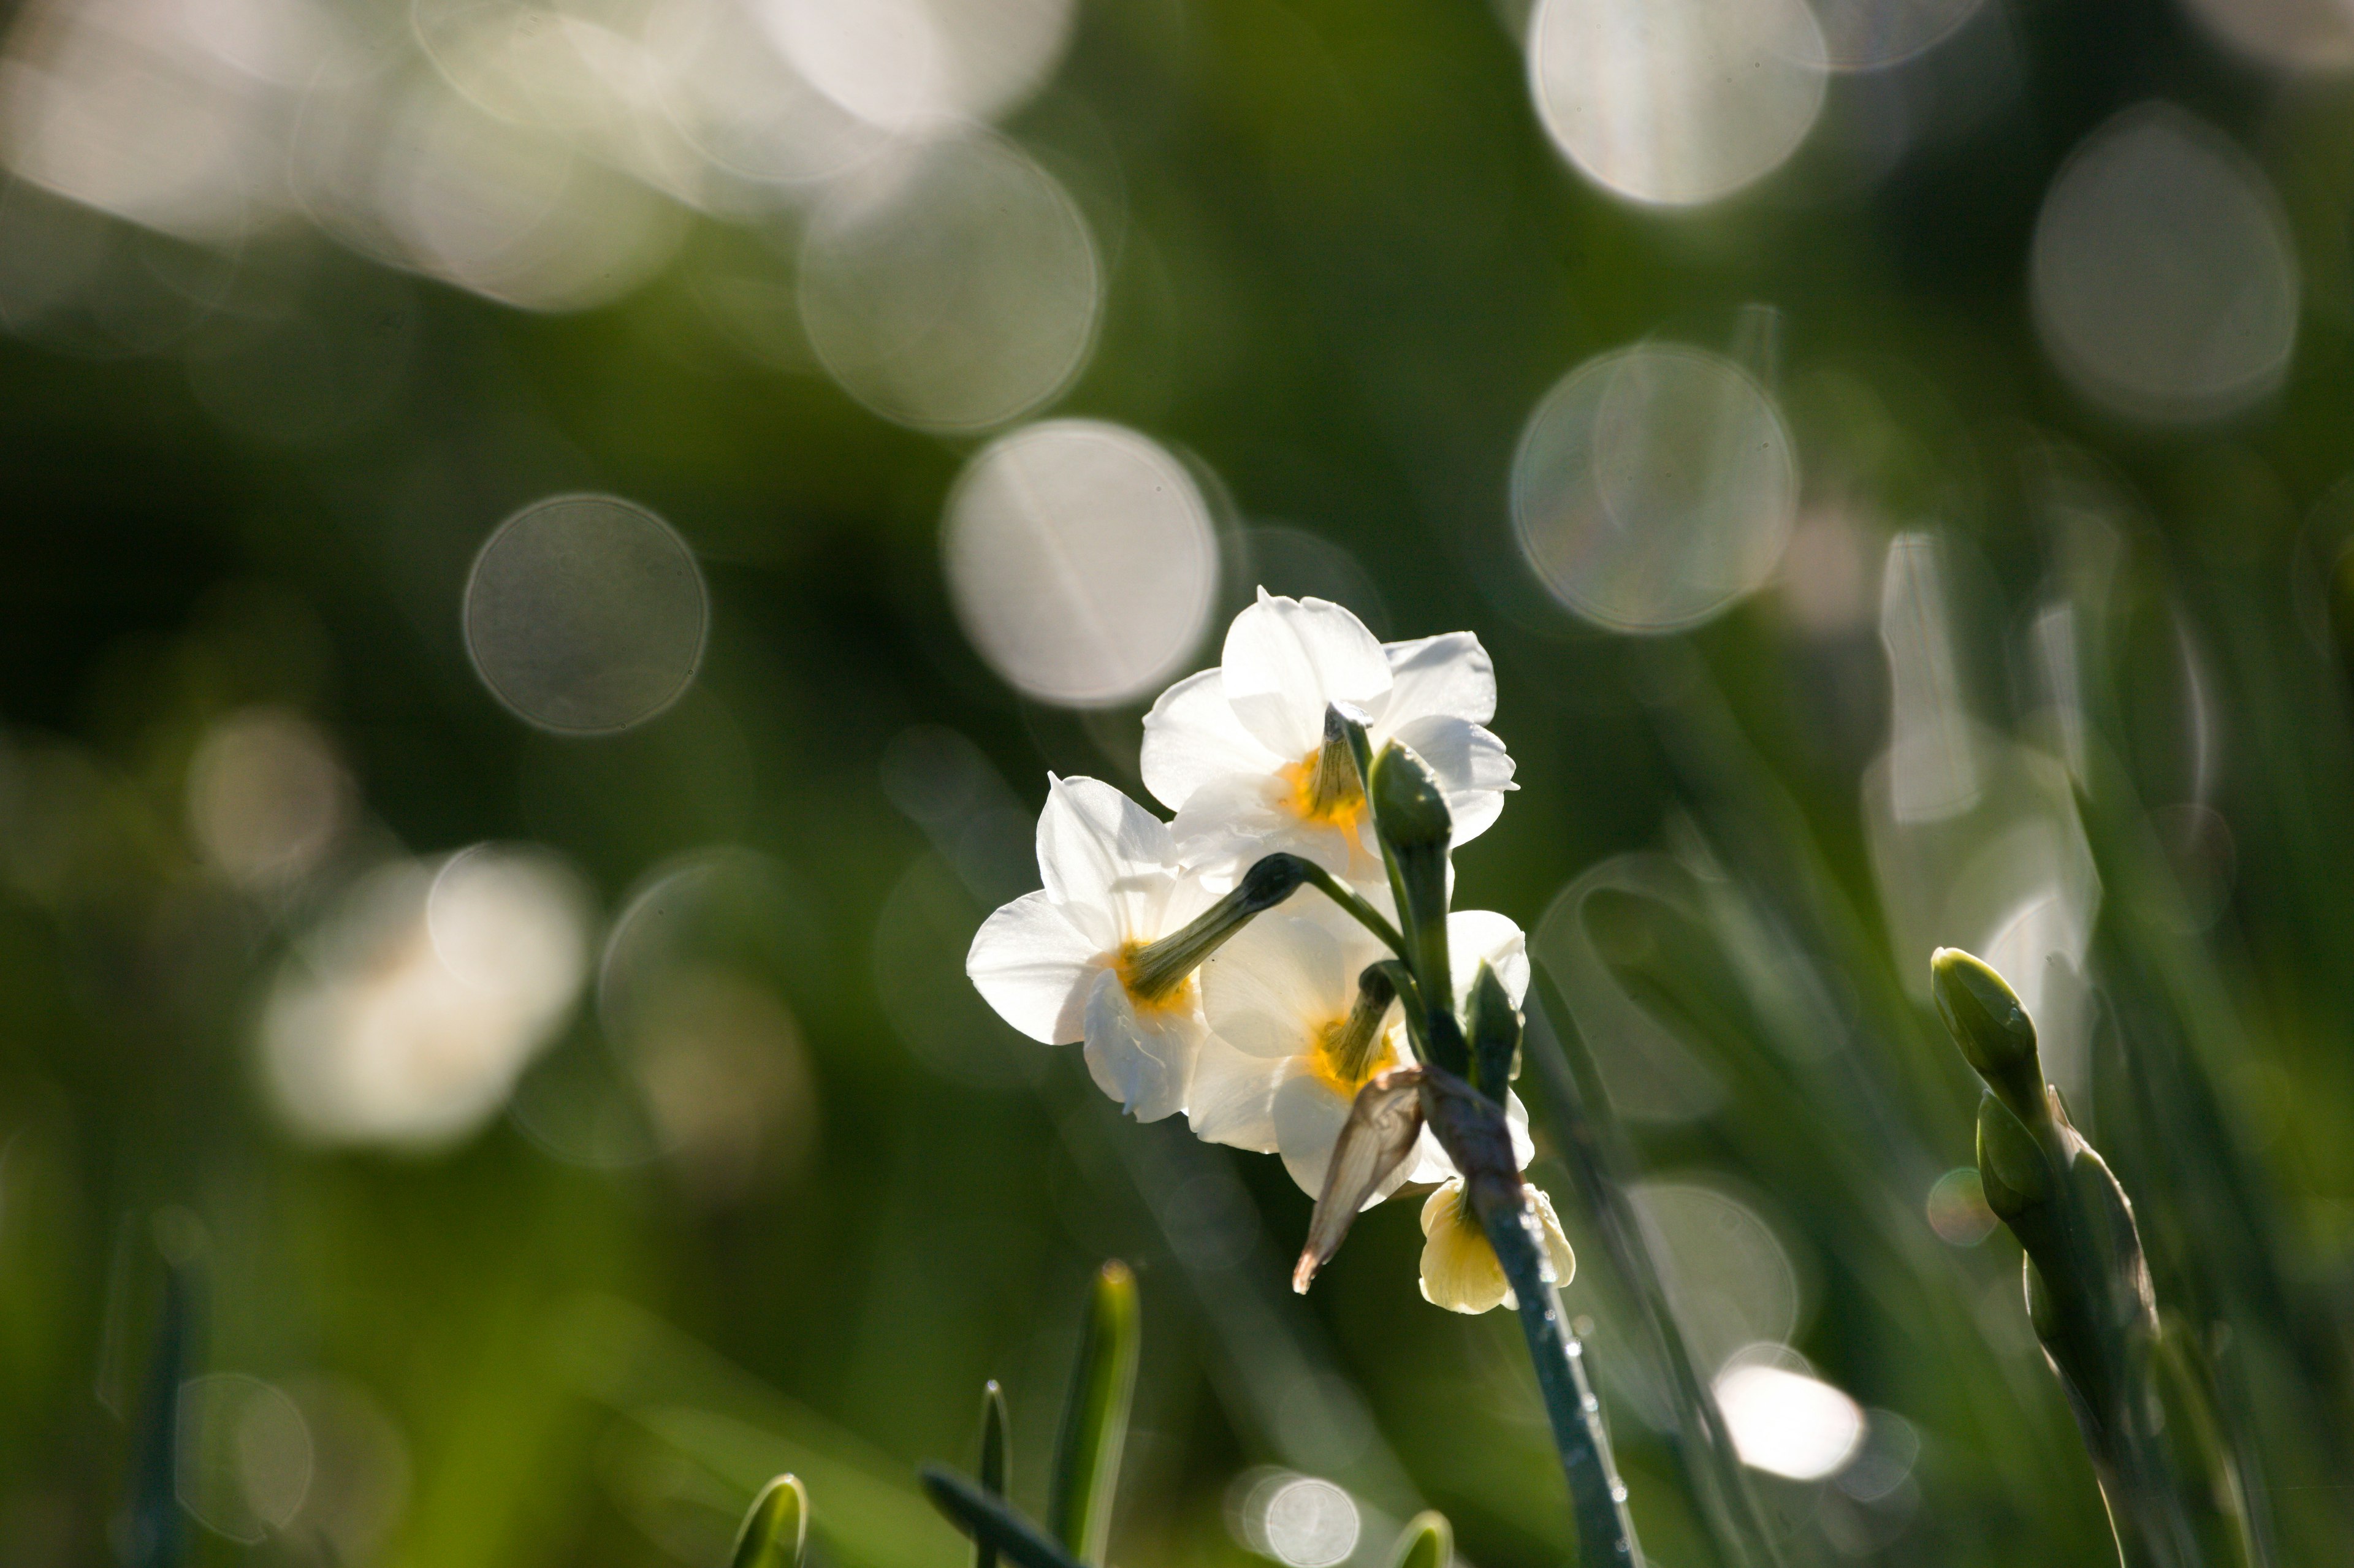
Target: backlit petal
{"type": "Point", "coordinates": [1475, 936]}
{"type": "Point", "coordinates": [1449, 674]}
{"type": "Point", "coordinates": [1270, 988]}
{"type": "Point", "coordinates": [1033, 966]}
{"type": "Point", "coordinates": [1191, 736]}
{"type": "Point", "coordinates": [1285, 659]}
{"type": "Point", "coordinates": [1142, 1059]}
{"type": "Point", "coordinates": [1233, 1097]}
{"type": "Point", "coordinates": [1103, 856]}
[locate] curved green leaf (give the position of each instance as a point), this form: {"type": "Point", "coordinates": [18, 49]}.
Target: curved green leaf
{"type": "Point", "coordinates": [1427, 1541]}
{"type": "Point", "coordinates": [987, 1518]}
{"type": "Point", "coordinates": [776, 1530]}
{"type": "Point", "coordinates": [1095, 1419]}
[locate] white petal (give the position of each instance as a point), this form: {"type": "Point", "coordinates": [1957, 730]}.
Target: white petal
{"type": "Point", "coordinates": [1270, 990]}
{"type": "Point", "coordinates": [1449, 674]}
{"type": "Point", "coordinates": [1475, 936]}
{"type": "Point", "coordinates": [1143, 1060]}
{"type": "Point", "coordinates": [1309, 1114]}
{"type": "Point", "coordinates": [1516, 1123]}
{"type": "Point", "coordinates": [1564, 1261]}
{"type": "Point", "coordinates": [1471, 765]}
{"type": "Point", "coordinates": [1232, 1099]}
{"type": "Point", "coordinates": [1285, 659]}
{"type": "Point", "coordinates": [1094, 843]}
{"type": "Point", "coordinates": [1191, 736]}
{"type": "Point", "coordinates": [1035, 967]}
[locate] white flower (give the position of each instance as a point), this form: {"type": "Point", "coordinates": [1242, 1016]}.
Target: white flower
{"type": "Point", "coordinates": [1236, 751]}
{"type": "Point", "coordinates": [1283, 1062]}
{"type": "Point", "coordinates": [1060, 964]}
{"type": "Point", "coordinates": [1459, 1271]}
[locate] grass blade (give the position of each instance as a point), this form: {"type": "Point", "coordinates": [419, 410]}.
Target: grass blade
{"type": "Point", "coordinates": [1095, 1420]}
{"type": "Point", "coordinates": [993, 1463]}
{"type": "Point", "coordinates": [157, 1536]}
{"type": "Point", "coordinates": [776, 1530]}
{"type": "Point", "coordinates": [989, 1519]}
{"type": "Point", "coordinates": [1427, 1541]}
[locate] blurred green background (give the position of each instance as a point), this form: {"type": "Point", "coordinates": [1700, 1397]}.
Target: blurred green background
{"type": "Point", "coordinates": [1888, 450]}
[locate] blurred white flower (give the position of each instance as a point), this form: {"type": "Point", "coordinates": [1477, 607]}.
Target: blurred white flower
{"type": "Point", "coordinates": [1289, 1047]}
{"type": "Point", "coordinates": [409, 1014]}
{"type": "Point", "coordinates": [1459, 1271]}
{"type": "Point", "coordinates": [1236, 751]}
{"type": "Point", "coordinates": [1061, 964]}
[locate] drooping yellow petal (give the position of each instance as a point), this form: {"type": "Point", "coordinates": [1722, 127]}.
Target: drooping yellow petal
{"type": "Point", "coordinates": [1459, 1271]}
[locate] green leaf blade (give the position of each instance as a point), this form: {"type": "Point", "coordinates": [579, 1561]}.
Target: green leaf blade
{"type": "Point", "coordinates": [1095, 1419]}
{"type": "Point", "coordinates": [776, 1527]}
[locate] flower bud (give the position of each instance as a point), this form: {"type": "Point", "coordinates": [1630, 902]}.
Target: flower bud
{"type": "Point", "coordinates": [1408, 804]}
{"type": "Point", "coordinates": [2012, 1166]}
{"type": "Point", "coordinates": [1411, 815]}
{"type": "Point", "coordinates": [1495, 1028]}
{"type": "Point", "coordinates": [1996, 1036]}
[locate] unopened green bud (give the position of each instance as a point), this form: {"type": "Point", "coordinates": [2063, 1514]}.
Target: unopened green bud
{"type": "Point", "coordinates": [1996, 1036]}
{"type": "Point", "coordinates": [2011, 1167]}
{"type": "Point", "coordinates": [775, 1530]}
{"type": "Point", "coordinates": [1495, 1028]}
{"type": "Point", "coordinates": [1408, 805]}
{"type": "Point", "coordinates": [1411, 816]}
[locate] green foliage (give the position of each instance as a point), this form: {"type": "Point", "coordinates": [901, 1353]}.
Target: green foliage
{"type": "Point", "coordinates": [1086, 1480]}
{"type": "Point", "coordinates": [775, 1530]}
{"type": "Point", "coordinates": [1427, 1541]}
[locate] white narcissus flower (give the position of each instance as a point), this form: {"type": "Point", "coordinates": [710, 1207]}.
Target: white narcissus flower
{"type": "Point", "coordinates": [1061, 964]}
{"type": "Point", "coordinates": [1289, 1045]}
{"type": "Point", "coordinates": [1239, 752]}
{"type": "Point", "coordinates": [1459, 1271]}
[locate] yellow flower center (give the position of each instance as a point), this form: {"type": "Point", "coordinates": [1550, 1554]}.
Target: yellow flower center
{"type": "Point", "coordinates": [1165, 998]}
{"type": "Point", "coordinates": [1312, 796]}
{"type": "Point", "coordinates": [1346, 1064]}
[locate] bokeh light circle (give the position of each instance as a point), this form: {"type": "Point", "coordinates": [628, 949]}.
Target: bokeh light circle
{"type": "Point", "coordinates": [2306, 36]}
{"type": "Point", "coordinates": [585, 614]}
{"type": "Point", "coordinates": [952, 285]}
{"type": "Point", "coordinates": [1871, 35]}
{"type": "Point", "coordinates": [1081, 561]}
{"type": "Point", "coordinates": [2164, 283]}
{"type": "Point", "coordinates": [1676, 102]}
{"type": "Point", "coordinates": [1654, 486]}
{"type": "Point", "coordinates": [899, 64]}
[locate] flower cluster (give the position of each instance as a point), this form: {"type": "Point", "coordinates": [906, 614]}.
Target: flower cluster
{"type": "Point", "coordinates": [1158, 944]}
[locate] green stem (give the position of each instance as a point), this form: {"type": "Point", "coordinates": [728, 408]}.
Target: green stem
{"type": "Point", "coordinates": [1605, 1535]}
{"type": "Point", "coordinates": [1352, 903]}
{"type": "Point", "coordinates": [1596, 1160]}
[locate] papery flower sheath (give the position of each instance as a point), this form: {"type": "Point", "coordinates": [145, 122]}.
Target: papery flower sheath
{"type": "Point", "coordinates": [1243, 755]}
{"type": "Point", "coordinates": [1291, 1041]}
{"type": "Point", "coordinates": [1070, 962]}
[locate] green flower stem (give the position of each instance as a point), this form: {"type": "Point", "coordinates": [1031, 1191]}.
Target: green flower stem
{"type": "Point", "coordinates": [1597, 1497]}
{"type": "Point", "coordinates": [1352, 903]}
{"type": "Point", "coordinates": [1471, 1127]}
{"type": "Point", "coordinates": [2088, 1286]}
{"type": "Point", "coordinates": [1161, 966]}
{"type": "Point", "coordinates": [1596, 1161]}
